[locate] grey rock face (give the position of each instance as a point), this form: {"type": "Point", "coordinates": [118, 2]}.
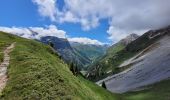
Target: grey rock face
{"type": "Point", "coordinates": [149, 66]}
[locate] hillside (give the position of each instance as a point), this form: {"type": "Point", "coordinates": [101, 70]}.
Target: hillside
{"type": "Point", "coordinates": [90, 51]}
{"type": "Point", "coordinates": [107, 64]}
{"type": "Point", "coordinates": [36, 72]}
{"type": "Point", "coordinates": [141, 71]}
{"type": "Point", "coordinates": [148, 70]}
{"type": "Point", "coordinates": [68, 54]}
{"type": "Point", "coordinates": [157, 91]}
{"type": "Point", "coordinates": [117, 62]}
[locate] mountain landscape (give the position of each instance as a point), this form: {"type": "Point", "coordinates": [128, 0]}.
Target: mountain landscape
{"type": "Point", "coordinates": [37, 72]}
{"type": "Point", "coordinates": [69, 54]}
{"type": "Point", "coordinates": [80, 54]}
{"type": "Point", "coordinates": [136, 77]}
{"type": "Point", "coordinates": [108, 63]}
{"type": "Point", "coordinates": [85, 50]}
{"type": "Point", "coordinates": [149, 66]}
{"type": "Point", "coordinates": [90, 51]}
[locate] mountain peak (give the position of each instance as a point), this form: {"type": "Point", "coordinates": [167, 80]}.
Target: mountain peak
{"type": "Point", "coordinates": [129, 39]}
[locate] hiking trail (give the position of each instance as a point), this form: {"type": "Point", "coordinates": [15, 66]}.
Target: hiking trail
{"type": "Point", "coordinates": [4, 65]}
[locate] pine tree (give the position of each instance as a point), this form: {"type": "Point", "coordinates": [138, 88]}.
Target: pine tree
{"type": "Point", "coordinates": [72, 68]}
{"type": "Point", "coordinates": [76, 70]}
{"type": "Point", "coordinates": [51, 44]}
{"type": "Point", "coordinates": [104, 85]}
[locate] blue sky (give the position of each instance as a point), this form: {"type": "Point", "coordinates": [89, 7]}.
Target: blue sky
{"type": "Point", "coordinates": [84, 21]}
{"type": "Point", "coordinates": [23, 13]}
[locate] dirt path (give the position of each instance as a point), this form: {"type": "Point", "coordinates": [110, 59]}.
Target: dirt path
{"type": "Point", "coordinates": [4, 65]}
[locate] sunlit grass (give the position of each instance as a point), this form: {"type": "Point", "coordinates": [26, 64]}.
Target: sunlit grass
{"type": "Point", "coordinates": [37, 73]}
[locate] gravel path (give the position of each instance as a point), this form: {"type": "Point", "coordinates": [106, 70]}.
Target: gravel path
{"type": "Point", "coordinates": [4, 65]}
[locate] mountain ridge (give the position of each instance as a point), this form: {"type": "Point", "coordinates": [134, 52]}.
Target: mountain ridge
{"type": "Point", "coordinates": [103, 65]}
{"type": "Point", "coordinates": [37, 72]}
{"type": "Point", "coordinates": [63, 47]}
{"type": "Point", "coordinates": [149, 66]}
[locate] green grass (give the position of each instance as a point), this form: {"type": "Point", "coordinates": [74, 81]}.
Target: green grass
{"type": "Point", "coordinates": [37, 73]}
{"type": "Point", "coordinates": [1, 56]}
{"type": "Point", "coordinates": [3, 44]}
{"type": "Point", "coordinates": [100, 91]}
{"type": "Point", "coordinates": [105, 61]}
{"type": "Point", "coordinates": [110, 62]}
{"type": "Point", "coordinates": [158, 91]}
{"type": "Point", "coordinates": [92, 52]}
{"type": "Point", "coordinates": [116, 48]}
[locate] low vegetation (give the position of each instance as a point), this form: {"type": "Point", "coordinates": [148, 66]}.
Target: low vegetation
{"type": "Point", "coordinates": [117, 54]}
{"type": "Point", "coordinates": [104, 95]}
{"type": "Point", "coordinates": [158, 91]}
{"type": "Point", "coordinates": [3, 44]}
{"type": "Point", "coordinates": [109, 64]}
{"type": "Point", "coordinates": [37, 73]}
{"type": "Point", "coordinates": [1, 57]}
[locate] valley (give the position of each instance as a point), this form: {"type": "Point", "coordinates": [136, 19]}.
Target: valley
{"type": "Point", "coordinates": [85, 50]}
{"type": "Point", "coordinates": [36, 68]}
{"type": "Point", "coordinates": [41, 66]}
{"type": "Point", "coordinates": [36, 72]}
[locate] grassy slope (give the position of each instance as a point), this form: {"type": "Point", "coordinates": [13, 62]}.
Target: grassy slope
{"type": "Point", "coordinates": [1, 52]}
{"type": "Point", "coordinates": [118, 54]}
{"type": "Point", "coordinates": [158, 91]}
{"type": "Point", "coordinates": [105, 61]}
{"type": "Point", "coordinates": [100, 91]}
{"type": "Point", "coordinates": [3, 44]}
{"type": "Point", "coordinates": [89, 51]}
{"type": "Point", "coordinates": [110, 62]}
{"type": "Point", "coordinates": [35, 72]}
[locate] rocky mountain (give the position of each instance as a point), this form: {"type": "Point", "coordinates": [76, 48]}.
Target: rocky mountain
{"type": "Point", "coordinates": [121, 44]}
{"type": "Point", "coordinates": [148, 66]}
{"type": "Point", "coordinates": [129, 39]}
{"type": "Point", "coordinates": [69, 54]}
{"type": "Point", "coordinates": [90, 51]}
{"type": "Point", "coordinates": [105, 65]}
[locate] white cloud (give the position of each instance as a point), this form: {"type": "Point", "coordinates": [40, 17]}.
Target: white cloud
{"type": "Point", "coordinates": [68, 17]}
{"type": "Point", "coordinates": [85, 41]}
{"type": "Point", "coordinates": [20, 31]}
{"type": "Point", "coordinates": [47, 8]}
{"type": "Point", "coordinates": [51, 30]}
{"type": "Point", "coordinates": [35, 32]}
{"type": "Point", "coordinates": [125, 16]}
{"type": "Point", "coordinates": [116, 34]}
{"type": "Point", "coordinates": [130, 16]}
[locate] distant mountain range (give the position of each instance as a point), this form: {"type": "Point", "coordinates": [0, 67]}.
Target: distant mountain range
{"type": "Point", "coordinates": [80, 54]}
{"type": "Point", "coordinates": [71, 52]}
{"type": "Point", "coordinates": [90, 51]}
{"type": "Point", "coordinates": [63, 47]}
